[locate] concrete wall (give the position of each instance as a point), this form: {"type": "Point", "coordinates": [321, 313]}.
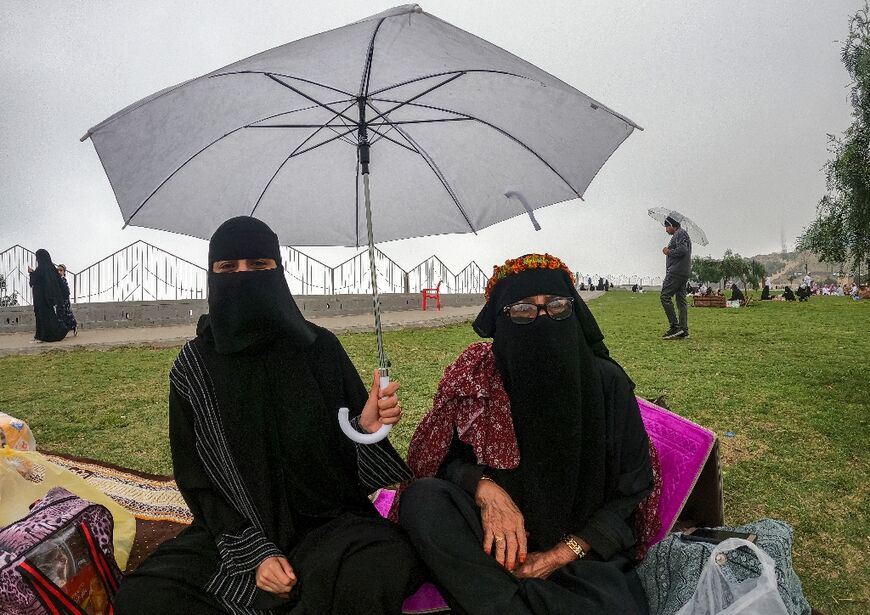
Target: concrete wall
{"type": "Point", "coordinates": [157, 313]}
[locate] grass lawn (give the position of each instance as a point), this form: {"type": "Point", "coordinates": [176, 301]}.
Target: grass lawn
{"type": "Point", "coordinates": [790, 380]}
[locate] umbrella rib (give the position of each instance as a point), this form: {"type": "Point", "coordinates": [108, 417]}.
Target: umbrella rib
{"type": "Point", "coordinates": [500, 130]}
{"type": "Point", "coordinates": [294, 155]}
{"type": "Point", "coordinates": [224, 136]}
{"type": "Point", "coordinates": [383, 135]}
{"type": "Point", "coordinates": [411, 100]}
{"type": "Point", "coordinates": [332, 128]}
{"type": "Point", "coordinates": [297, 151]}
{"type": "Point", "coordinates": [367, 71]}
{"type": "Point", "coordinates": [308, 108]}
{"type": "Point", "coordinates": [432, 121]}
{"type": "Point", "coordinates": [309, 97]}
{"type": "Point", "coordinates": [267, 73]}
{"type": "Point", "coordinates": [595, 104]}
{"type": "Point", "coordinates": [462, 71]}
{"type": "Point", "coordinates": [434, 168]}
{"type": "Point", "coordinates": [345, 123]}
{"type": "Point", "coordinates": [171, 175]}
{"type": "Point", "coordinates": [366, 81]}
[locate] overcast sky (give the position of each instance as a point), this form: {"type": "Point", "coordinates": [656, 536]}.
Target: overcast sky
{"type": "Point", "coordinates": [736, 98]}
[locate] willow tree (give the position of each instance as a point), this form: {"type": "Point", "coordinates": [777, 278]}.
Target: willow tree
{"type": "Point", "coordinates": [841, 231]}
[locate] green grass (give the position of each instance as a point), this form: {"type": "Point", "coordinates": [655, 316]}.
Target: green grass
{"type": "Point", "coordinates": [790, 380]}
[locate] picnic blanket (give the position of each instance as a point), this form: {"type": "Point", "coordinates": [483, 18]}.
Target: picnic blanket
{"type": "Point", "coordinates": [161, 514]}
{"type": "Point", "coordinates": [683, 446]}
{"type": "Point", "coordinates": [684, 449]}
{"type": "Point", "coordinates": [153, 499]}
{"type": "Point", "coordinates": [150, 497]}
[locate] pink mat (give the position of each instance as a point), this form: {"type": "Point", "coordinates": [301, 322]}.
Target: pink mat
{"type": "Point", "coordinates": [427, 599]}
{"type": "Point", "coordinates": [683, 448]}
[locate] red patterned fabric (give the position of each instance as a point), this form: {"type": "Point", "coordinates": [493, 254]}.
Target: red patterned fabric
{"type": "Point", "coordinates": [647, 521]}
{"type": "Point", "coordinates": [471, 388]}
{"type": "Point", "coordinates": [472, 401]}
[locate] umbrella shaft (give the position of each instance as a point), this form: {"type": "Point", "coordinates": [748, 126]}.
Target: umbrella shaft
{"type": "Point", "coordinates": [382, 357]}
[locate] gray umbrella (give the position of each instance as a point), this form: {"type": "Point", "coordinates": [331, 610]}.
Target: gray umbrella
{"type": "Point", "coordinates": [448, 124]}
{"type": "Point", "coordinates": [696, 234]}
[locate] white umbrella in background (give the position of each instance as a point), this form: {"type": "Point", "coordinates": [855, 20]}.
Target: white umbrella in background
{"type": "Point", "coordinates": [447, 123]}
{"type": "Point", "coordinates": [696, 234]}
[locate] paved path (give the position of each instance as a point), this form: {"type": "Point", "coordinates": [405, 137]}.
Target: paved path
{"type": "Point", "coordinates": [176, 335]}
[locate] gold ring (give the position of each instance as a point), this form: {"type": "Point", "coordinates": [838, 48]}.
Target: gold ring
{"type": "Point", "coordinates": [499, 538]}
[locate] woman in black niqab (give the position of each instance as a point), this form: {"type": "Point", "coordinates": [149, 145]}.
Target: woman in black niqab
{"type": "Point", "coordinates": [583, 469]}
{"type": "Point", "coordinates": [48, 297]}
{"type": "Point", "coordinates": [550, 365]}
{"type": "Point", "coordinates": [261, 462]}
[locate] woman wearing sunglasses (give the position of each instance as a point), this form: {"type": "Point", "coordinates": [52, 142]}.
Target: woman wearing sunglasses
{"type": "Point", "coordinates": [535, 472]}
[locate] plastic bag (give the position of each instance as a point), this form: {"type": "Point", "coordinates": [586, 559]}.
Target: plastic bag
{"type": "Point", "coordinates": [719, 593]}
{"type": "Point", "coordinates": [18, 493]}
{"type": "Point", "coordinates": [15, 434]}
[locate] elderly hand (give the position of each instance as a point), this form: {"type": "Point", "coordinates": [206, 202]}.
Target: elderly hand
{"type": "Point", "coordinates": [382, 407]}
{"type": "Point", "coordinates": [275, 575]}
{"type": "Point", "coordinates": [503, 525]}
{"type": "Point", "coordinates": [541, 564]}
{"type": "Point", "coordinates": [666, 250]}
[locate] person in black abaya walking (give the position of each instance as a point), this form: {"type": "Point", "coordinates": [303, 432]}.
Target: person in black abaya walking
{"type": "Point", "coordinates": [48, 298]}
{"type": "Point", "coordinates": [282, 521]}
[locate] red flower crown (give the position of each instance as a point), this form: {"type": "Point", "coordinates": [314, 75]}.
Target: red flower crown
{"type": "Point", "coordinates": [524, 263]}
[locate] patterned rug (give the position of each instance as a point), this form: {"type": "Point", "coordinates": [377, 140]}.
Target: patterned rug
{"type": "Point", "coordinates": [149, 497]}
{"type": "Point", "coordinates": [153, 499]}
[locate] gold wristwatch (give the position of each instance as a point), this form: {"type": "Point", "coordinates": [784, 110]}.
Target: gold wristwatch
{"type": "Point", "coordinates": [574, 545]}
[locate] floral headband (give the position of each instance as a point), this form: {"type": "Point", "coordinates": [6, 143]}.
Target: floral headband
{"type": "Point", "coordinates": [524, 263]}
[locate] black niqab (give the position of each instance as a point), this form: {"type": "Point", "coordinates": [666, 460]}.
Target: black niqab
{"type": "Point", "coordinates": [557, 406]}
{"type": "Point", "coordinates": [48, 279]}
{"type": "Point", "coordinates": [250, 308]}
{"type": "Point", "coordinates": [278, 385]}
{"type": "Point", "coordinates": [48, 299]}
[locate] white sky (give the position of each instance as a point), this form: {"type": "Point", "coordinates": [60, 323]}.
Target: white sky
{"type": "Point", "coordinates": [736, 98]}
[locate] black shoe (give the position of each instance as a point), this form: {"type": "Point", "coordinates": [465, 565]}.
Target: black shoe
{"type": "Point", "coordinates": [670, 333]}
{"type": "Point", "coordinates": [680, 335]}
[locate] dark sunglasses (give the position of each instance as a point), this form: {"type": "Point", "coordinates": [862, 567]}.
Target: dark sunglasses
{"type": "Point", "coordinates": [525, 313]}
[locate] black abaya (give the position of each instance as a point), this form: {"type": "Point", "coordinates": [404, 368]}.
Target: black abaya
{"type": "Point", "coordinates": [47, 296]}
{"type": "Point", "coordinates": [261, 462]}
{"type": "Point", "coordinates": [305, 479]}
{"type": "Point", "coordinates": [584, 467]}
{"type": "Point", "coordinates": [444, 524]}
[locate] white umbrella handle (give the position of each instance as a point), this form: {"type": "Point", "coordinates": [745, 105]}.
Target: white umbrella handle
{"type": "Point", "coordinates": [363, 438]}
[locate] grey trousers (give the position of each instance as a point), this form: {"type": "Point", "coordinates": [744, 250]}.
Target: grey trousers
{"type": "Point", "coordinates": [671, 286]}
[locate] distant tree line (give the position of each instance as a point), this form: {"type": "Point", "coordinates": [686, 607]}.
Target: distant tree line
{"type": "Point", "coordinates": [730, 268]}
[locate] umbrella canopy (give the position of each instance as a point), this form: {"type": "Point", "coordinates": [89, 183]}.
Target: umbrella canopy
{"type": "Point", "coordinates": [459, 133]}
{"type": "Point", "coordinates": [453, 124]}
{"type": "Point", "coordinates": [696, 234]}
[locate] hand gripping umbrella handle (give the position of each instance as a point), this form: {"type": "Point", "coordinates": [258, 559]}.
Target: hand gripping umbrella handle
{"type": "Point", "coordinates": [363, 438]}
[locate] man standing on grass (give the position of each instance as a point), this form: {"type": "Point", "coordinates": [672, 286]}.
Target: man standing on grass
{"type": "Point", "coordinates": [678, 268]}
